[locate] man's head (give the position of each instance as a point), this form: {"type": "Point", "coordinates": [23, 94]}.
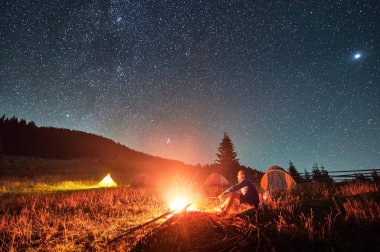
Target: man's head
{"type": "Point", "coordinates": [241, 175]}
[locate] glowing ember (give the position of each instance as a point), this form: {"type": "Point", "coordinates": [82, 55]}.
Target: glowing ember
{"type": "Point", "coordinates": [107, 182]}
{"type": "Point", "coordinates": [266, 196]}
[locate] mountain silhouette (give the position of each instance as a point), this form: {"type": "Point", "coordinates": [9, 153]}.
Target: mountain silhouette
{"type": "Point", "coordinates": [21, 138]}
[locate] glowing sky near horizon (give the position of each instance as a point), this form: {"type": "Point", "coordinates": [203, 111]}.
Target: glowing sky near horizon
{"type": "Point", "coordinates": [294, 80]}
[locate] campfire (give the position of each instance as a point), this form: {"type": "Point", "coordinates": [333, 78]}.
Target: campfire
{"type": "Point", "coordinates": [179, 203]}
{"type": "Point", "coordinates": [181, 194]}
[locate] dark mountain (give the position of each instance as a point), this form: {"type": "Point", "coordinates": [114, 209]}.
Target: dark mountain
{"type": "Point", "coordinates": [26, 139]}
{"type": "Point", "coordinates": [21, 138]}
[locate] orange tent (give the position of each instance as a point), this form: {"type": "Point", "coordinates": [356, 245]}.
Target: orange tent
{"type": "Point", "coordinates": [277, 178]}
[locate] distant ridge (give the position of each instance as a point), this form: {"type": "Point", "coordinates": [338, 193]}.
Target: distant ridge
{"type": "Point", "coordinates": [25, 139]}
{"type": "Point", "coordinates": [22, 138]}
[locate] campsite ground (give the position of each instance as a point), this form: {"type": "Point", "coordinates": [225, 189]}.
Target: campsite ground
{"type": "Point", "coordinates": [319, 216]}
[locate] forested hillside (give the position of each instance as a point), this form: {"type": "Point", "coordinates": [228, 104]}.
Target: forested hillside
{"type": "Point", "coordinates": [22, 138]}
{"type": "Point", "coordinates": [26, 139]}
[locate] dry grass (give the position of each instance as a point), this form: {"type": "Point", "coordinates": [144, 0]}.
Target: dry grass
{"type": "Point", "coordinates": [358, 188]}
{"type": "Point", "coordinates": [70, 221]}
{"type": "Point", "coordinates": [17, 186]}
{"type": "Point", "coordinates": [324, 214]}
{"type": "Point", "coordinates": [88, 219]}
{"type": "Point", "coordinates": [332, 222]}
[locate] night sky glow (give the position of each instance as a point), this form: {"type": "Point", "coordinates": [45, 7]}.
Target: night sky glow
{"type": "Point", "coordinates": [287, 80]}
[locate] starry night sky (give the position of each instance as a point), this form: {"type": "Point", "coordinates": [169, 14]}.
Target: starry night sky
{"type": "Point", "coordinates": [287, 80]}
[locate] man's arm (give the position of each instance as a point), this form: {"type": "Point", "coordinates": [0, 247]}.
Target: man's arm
{"type": "Point", "coordinates": [236, 187]}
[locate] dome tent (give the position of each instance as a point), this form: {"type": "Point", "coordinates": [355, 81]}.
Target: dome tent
{"type": "Point", "coordinates": [216, 179]}
{"type": "Point", "coordinates": [277, 178]}
{"type": "Point", "coordinates": [107, 181]}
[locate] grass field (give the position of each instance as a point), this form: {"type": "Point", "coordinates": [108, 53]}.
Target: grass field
{"type": "Point", "coordinates": [74, 216]}
{"type": "Point", "coordinates": [72, 221]}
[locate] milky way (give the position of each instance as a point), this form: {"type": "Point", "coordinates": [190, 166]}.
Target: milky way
{"type": "Point", "coordinates": [282, 78]}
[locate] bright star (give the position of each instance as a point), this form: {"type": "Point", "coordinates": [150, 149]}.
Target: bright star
{"type": "Point", "coordinates": [357, 56]}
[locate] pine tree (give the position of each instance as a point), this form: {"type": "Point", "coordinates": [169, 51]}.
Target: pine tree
{"type": "Point", "coordinates": [325, 175]}
{"type": "Point", "coordinates": [294, 173]}
{"type": "Point", "coordinates": [316, 173]}
{"type": "Point", "coordinates": [307, 176]}
{"type": "Point", "coordinates": [320, 175]}
{"type": "Point", "coordinates": [227, 158]}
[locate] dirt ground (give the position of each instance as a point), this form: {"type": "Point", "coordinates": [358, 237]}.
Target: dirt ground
{"type": "Point", "coordinates": [199, 231]}
{"type": "Point", "coordinates": [240, 231]}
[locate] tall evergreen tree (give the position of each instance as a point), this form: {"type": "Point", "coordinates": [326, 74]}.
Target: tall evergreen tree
{"type": "Point", "coordinates": [294, 173]}
{"type": "Point", "coordinates": [227, 158]}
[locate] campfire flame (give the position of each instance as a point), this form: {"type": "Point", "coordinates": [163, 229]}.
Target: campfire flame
{"type": "Point", "coordinates": [178, 204]}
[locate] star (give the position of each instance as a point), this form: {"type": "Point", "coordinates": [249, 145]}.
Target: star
{"type": "Point", "coordinates": [357, 56]}
{"type": "Point", "coordinates": [156, 75]}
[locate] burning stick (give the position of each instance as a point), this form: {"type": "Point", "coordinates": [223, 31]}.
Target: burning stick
{"type": "Point", "coordinates": [178, 204]}
{"type": "Point", "coordinates": [139, 226]}
{"type": "Point", "coordinates": [161, 228]}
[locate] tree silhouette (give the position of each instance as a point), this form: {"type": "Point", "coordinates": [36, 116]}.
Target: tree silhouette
{"type": "Point", "coordinates": [375, 177]}
{"type": "Point", "coordinates": [320, 175]}
{"type": "Point", "coordinates": [325, 175]}
{"type": "Point", "coordinates": [306, 176]}
{"type": "Point", "coordinates": [294, 173]}
{"type": "Point", "coordinates": [359, 177]}
{"type": "Point", "coordinates": [227, 158]}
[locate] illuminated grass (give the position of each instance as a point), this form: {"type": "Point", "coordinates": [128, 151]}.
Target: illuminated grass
{"type": "Point", "coordinates": [72, 216]}
{"type": "Point", "coordinates": [77, 220]}
{"type": "Point", "coordinates": [19, 186]}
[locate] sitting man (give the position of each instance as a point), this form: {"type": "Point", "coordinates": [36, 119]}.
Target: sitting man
{"type": "Point", "coordinates": [248, 194]}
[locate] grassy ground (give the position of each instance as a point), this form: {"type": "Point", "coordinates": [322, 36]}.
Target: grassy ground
{"type": "Point", "coordinates": [56, 170]}
{"type": "Point", "coordinates": [344, 218]}
{"type": "Point", "coordinates": [42, 216]}
{"type": "Point", "coordinates": [72, 221]}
